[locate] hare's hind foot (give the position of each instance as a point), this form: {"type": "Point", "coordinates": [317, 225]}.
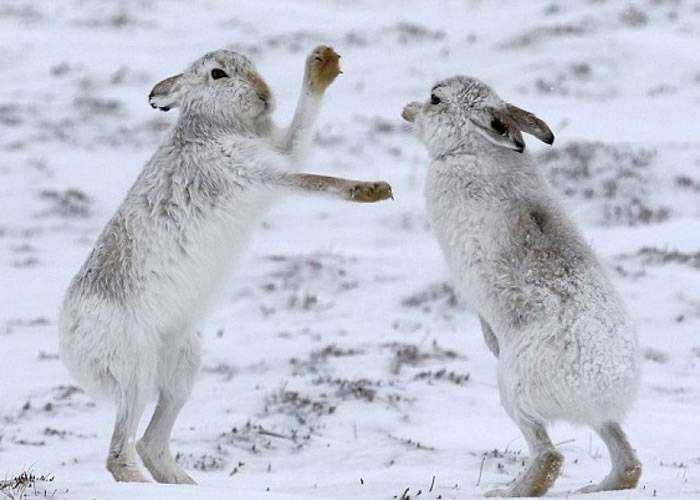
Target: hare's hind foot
{"type": "Point", "coordinates": [124, 469]}
{"type": "Point", "coordinates": [626, 467]}
{"type": "Point", "coordinates": [369, 192]}
{"type": "Point", "coordinates": [322, 68]}
{"type": "Point", "coordinates": [543, 467]}
{"type": "Point", "coordinates": [625, 479]}
{"type": "Point", "coordinates": [539, 476]}
{"type": "Point", "coordinates": [161, 465]}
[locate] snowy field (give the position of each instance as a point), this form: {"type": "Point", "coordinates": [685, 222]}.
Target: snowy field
{"type": "Point", "coordinates": [338, 363]}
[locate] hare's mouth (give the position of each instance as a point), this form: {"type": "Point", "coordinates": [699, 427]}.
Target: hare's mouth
{"type": "Point", "coordinates": [266, 99]}
{"type": "Point", "coordinates": [157, 102]}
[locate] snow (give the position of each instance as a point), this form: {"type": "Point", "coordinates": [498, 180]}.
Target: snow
{"type": "Point", "coordinates": [337, 363]}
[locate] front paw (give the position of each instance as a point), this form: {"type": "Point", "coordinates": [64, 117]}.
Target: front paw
{"type": "Point", "coordinates": [322, 67]}
{"type": "Point", "coordinates": [370, 192]}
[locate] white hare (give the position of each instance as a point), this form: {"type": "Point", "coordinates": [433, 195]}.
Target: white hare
{"type": "Point", "coordinates": [565, 348]}
{"type": "Point", "coordinates": [127, 327]}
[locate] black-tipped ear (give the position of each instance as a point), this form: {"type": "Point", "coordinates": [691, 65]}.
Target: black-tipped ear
{"type": "Point", "coordinates": [530, 124]}
{"type": "Point", "coordinates": [166, 94]}
{"type": "Point", "coordinates": [498, 128]}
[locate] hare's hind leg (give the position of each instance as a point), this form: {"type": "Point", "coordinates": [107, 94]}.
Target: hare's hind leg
{"type": "Point", "coordinates": [175, 389]}
{"type": "Point", "coordinates": [626, 467]}
{"type": "Point", "coordinates": [542, 468]}
{"type": "Point", "coordinates": [122, 461]}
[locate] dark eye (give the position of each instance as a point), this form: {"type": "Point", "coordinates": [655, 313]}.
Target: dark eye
{"type": "Point", "coordinates": [217, 73]}
{"type": "Point", "coordinates": [434, 99]}
{"type": "Point", "coordinates": [498, 126]}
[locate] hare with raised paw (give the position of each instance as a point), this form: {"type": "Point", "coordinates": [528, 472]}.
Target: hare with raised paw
{"type": "Point", "coordinates": [129, 317]}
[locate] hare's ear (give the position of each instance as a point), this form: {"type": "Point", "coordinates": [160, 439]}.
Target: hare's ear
{"type": "Point", "coordinates": [498, 128]}
{"type": "Point", "coordinates": [166, 94]}
{"type": "Point", "coordinates": [530, 124]}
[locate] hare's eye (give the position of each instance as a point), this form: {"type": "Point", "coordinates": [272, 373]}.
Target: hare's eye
{"type": "Point", "coordinates": [217, 73]}
{"type": "Point", "coordinates": [434, 99]}
{"type": "Point", "coordinates": [498, 126]}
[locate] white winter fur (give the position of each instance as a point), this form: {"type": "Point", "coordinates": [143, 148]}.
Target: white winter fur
{"type": "Point", "coordinates": [566, 350]}
{"type": "Point", "coordinates": [127, 327]}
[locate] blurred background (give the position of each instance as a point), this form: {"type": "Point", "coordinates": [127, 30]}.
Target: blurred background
{"type": "Point", "coordinates": [339, 362]}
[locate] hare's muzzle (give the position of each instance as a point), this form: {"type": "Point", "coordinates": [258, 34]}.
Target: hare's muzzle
{"type": "Point", "coordinates": [261, 89]}
{"type": "Point", "coordinates": [166, 94]}
{"type": "Point", "coordinates": [410, 111]}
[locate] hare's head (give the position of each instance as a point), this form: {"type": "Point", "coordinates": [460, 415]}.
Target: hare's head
{"type": "Point", "coordinates": [222, 87]}
{"type": "Point", "coordinates": [461, 109]}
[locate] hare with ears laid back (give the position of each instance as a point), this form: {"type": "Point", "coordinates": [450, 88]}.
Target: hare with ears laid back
{"type": "Point", "coordinates": [565, 348]}
{"type": "Point", "coordinates": [127, 327]}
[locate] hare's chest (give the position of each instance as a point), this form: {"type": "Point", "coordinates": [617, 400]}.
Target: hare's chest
{"type": "Point", "coordinates": [193, 268]}
{"type": "Point", "coordinates": [461, 221]}
{"type": "Point", "coordinates": [457, 209]}
{"type": "Point", "coordinates": [220, 231]}
{"type": "Point", "coordinates": [201, 219]}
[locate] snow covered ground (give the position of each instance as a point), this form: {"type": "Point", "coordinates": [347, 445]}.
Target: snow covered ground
{"type": "Point", "coordinates": [338, 363]}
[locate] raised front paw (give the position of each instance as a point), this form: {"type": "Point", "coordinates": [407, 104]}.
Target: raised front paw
{"type": "Point", "coordinates": [369, 192]}
{"type": "Point", "coordinates": [322, 67]}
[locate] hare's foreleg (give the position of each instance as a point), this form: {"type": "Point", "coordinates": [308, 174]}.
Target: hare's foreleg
{"type": "Point", "coordinates": [626, 467]}
{"type": "Point", "coordinates": [175, 388]}
{"type": "Point", "coordinates": [122, 461]}
{"type": "Point", "coordinates": [542, 468]}
{"type": "Point", "coordinates": [489, 336]}
{"type": "Point", "coordinates": [322, 67]}
{"type": "Point", "coordinates": [346, 189]}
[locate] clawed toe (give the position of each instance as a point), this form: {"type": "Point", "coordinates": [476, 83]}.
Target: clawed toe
{"type": "Point", "coordinates": [126, 472]}
{"type": "Point", "coordinates": [162, 467]}
{"type": "Point", "coordinates": [591, 488]}
{"type": "Point", "coordinates": [536, 479]}
{"type": "Point", "coordinates": [498, 492]}
{"type": "Point", "coordinates": [625, 479]}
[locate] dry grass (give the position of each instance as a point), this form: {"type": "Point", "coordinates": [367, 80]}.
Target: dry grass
{"type": "Point", "coordinates": [25, 485]}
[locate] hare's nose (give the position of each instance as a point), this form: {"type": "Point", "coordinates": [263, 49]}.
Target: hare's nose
{"type": "Point", "coordinates": [410, 111]}
{"type": "Point", "coordinates": [266, 98]}
{"type": "Point", "coordinates": [263, 93]}
{"type": "Point", "coordinates": [260, 87]}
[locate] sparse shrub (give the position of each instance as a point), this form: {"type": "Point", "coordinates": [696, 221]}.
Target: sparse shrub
{"type": "Point", "coordinates": [17, 487]}
{"type": "Point", "coordinates": [70, 203]}
{"type": "Point", "coordinates": [655, 355]}
{"type": "Point", "coordinates": [614, 181]}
